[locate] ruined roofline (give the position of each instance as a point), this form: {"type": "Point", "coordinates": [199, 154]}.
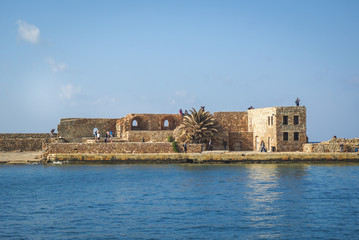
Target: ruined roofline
{"type": "Point", "coordinates": [73, 119]}
{"type": "Point", "coordinates": [276, 107]}
{"type": "Point", "coordinates": [231, 112]}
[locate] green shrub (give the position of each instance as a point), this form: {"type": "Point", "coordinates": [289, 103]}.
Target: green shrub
{"type": "Point", "coordinates": [175, 147]}
{"type": "Point", "coordinates": [170, 139]}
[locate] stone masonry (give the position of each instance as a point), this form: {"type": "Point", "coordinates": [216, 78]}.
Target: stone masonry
{"type": "Point", "coordinates": [280, 128]}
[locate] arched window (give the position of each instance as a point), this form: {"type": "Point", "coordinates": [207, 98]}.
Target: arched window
{"type": "Point", "coordinates": [167, 123]}
{"type": "Point", "coordinates": [134, 123]}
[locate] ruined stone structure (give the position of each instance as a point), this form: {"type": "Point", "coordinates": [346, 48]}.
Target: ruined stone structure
{"type": "Point", "coordinates": [280, 128]}
{"type": "Point", "coordinates": [333, 145]}
{"type": "Point", "coordinates": [74, 129]}
{"type": "Point", "coordinates": [24, 141]}
{"type": "Point", "coordinates": [147, 127]}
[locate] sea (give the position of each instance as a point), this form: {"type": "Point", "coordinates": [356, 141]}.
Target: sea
{"type": "Point", "coordinates": [249, 201]}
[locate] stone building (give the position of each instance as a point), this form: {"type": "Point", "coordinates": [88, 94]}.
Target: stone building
{"type": "Point", "coordinates": [280, 128]}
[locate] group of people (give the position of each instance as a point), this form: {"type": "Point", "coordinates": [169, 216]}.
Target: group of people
{"type": "Point", "coordinates": [183, 113]}
{"type": "Point", "coordinates": [108, 136]}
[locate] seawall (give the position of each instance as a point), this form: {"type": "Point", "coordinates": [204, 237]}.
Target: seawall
{"type": "Point", "coordinates": [217, 157]}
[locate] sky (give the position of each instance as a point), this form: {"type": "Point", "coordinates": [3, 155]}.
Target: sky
{"type": "Point", "coordinates": [105, 59]}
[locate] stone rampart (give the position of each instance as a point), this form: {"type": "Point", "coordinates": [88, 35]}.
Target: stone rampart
{"type": "Point", "coordinates": [232, 121]}
{"type": "Point", "coordinates": [117, 148]}
{"type": "Point", "coordinates": [149, 136]}
{"type": "Point", "coordinates": [148, 122]}
{"type": "Point", "coordinates": [241, 141]}
{"type": "Point", "coordinates": [74, 129]}
{"type": "Point", "coordinates": [23, 141]}
{"type": "Point", "coordinates": [24, 135]}
{"type": "Point", "coordinates": [333, 145]}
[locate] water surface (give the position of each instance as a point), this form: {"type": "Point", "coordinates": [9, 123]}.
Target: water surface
{"type": "Point", "coordinates": [253, 201]}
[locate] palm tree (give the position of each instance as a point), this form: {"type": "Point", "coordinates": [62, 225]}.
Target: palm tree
{"type": "Point", "coordinates": [199, 127]}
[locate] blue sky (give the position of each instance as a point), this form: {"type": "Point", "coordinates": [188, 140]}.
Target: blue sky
{"type": "Point", "coordinates": [61, 59]}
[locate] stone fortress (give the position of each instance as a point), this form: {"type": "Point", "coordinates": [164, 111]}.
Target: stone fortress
{"type": "Point", "coordinates": [282, 129]}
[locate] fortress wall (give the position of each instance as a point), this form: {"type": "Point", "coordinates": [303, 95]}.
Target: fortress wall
{"type": "Point", "coordinates": [149, 136]}
{"type": "Point", "coordinates": [232, 121]}
{"type": "Point", "coordinates": [262, 122]}
{"type": "Point", "coordinates": [25, 135]}
{"type": "Point", "coordinates": [333, 145]}
{"type": "Point", "coordinates": [74, 129]}
{"type": "Point", "coordinates": [291, 145]}
{"type": "Point", "coordinates": [24, 141]}
{"type": "Point", "coordinates": [151, 122]}
{"type": "Point", "coordinates": [115, 148]}
{"type": "Point", "coordinates": [241, 141]}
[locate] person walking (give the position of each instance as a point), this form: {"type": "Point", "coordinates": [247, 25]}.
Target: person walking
{"type": "Point", "coordinates": [185, 147]}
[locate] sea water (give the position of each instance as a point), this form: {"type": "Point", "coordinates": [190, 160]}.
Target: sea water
{"type": "Point", "coordinates": [253, 201]}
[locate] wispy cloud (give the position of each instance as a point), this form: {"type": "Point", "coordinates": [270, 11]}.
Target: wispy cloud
{"type": "Point", "coordinates": [56, 67]}
{"type": "Point", "coordinates": [28, 32]}
{"type": "Point", "coordinates": [69, 91]}
{"type": "Point", "coordinates": [181, 97]}
{"type": "Point", "coordinates": [181, 93]}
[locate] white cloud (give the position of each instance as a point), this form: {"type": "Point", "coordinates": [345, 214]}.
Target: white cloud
{"type": "Point", "coordinates": [56, 67]}
{"type": "Point", "coordinates": [68, 91]}
{"type": "Point", "coordinates": [181, 93]}
{"type": "Point", "coordinates": [28, 32]}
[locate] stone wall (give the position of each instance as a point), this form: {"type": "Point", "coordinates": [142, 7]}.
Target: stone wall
{"type": "Point", "coordinates": [232, 121]}
{"type": "Point", "coordinates": [262, 122]}
{"type": "Point", "coordinates": [234, 130]}
{"type": "Point", "coordinates": [23, 141]}
{"type": "Point", "coordinates": [291, 145]}
{"type": "Point", "coordinates": [241, 141]}
{"type": "Point", "coordinates": [149, 136]}
{"type": "Point", "coordinates": [333, 145]}
{"type": "Point", "coordinates": [74, 129]}
{"type": "Point", "coordinates": [116, 148]}
{"type": "Point", "coordinates": [24, 135]}
{"type": "Point", "coordinates": [150, 122]}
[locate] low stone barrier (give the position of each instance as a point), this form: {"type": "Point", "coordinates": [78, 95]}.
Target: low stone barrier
{"type": "Point", "coordinates": [216, 157]}
{"type": "Point", "coordinates": [10, 142]}
{"type": "Point", "coordinates": [117, 148]}
{"type": "Point", "coordinates": [329, 147]}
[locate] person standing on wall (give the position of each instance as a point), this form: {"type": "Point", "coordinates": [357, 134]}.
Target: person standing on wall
{"type": "Point", "coordinates": [297, 102]}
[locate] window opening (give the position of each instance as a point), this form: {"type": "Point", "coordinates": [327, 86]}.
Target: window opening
{"type": "Point", "coordinates": [271, 119]}
{"type": "Point", "coordinates": [285, 120]}
{"type": "Point", "coordinates": [166, 123]}
{"type": "Point", "coordinates": [285, 136]}
{"type": "Point", "coordinates": [268, 120]}
{"type": "Point", "coordinates": [296, 136]}
{"type": "Point", "coordinates": [296, 120]}
{"type": "Point", "coordinates": [134, 123]}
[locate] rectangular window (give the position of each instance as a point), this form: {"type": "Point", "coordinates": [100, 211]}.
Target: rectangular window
{"type": "Point", "coordinates": [268, 121]}
{"type": "Point", "coordinates": [296, 120]}
{"type": "Point", "coordinates": [285, 120]}
{"type": "Point", "coordinates": [271, 119]}
{"type": "Point", "coordinates": [285, 136]}
{"type": "Point", "coordinates": [296, 136]}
